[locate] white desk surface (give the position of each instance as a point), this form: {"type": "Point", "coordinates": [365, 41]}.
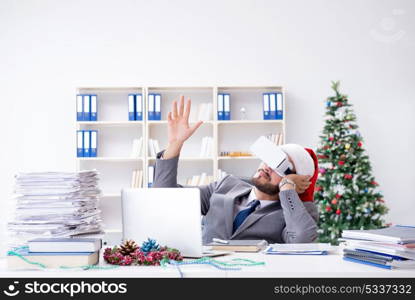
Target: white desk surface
{"type": "Point", "coordinates": [276, 266]}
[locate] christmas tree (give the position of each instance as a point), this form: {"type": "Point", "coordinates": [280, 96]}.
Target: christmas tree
{"type": "Point", "coordinates": [346, 192]}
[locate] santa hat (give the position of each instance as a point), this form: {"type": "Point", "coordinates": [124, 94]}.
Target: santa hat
{"type": "Point", "coordinates": [306, 163]}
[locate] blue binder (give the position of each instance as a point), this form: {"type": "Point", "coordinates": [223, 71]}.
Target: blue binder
{"type": "Point", "coordinates": [279, 115]}
{"type": "Point", "coordinates": [87, 143]}
{"type": "Point", "coordinates": [93, 107]}
{"type": "Point", "coordinates": [131, 107]}
{"type": "Point", "coordinates": [220, 107]}
{"type": "Point", "coordinates": [157, 107]}
{"type": "Point", "coordinates": [367, 263]}
{"type": "Point", "coordinates": [265, 106]}
{"type": "Point", "coordinates": [87, 107]}
{"type": "Point", "coordinates": [151, 106]}
{"type": "Point", "coordinates": [226, 106]}
{"type": "Point", "coordinates": [94, 143]}
{"type": "Point", "coordinates": [79, 143]}
{"type": "Point", "coordinates": [138, 107]}
{"type": "Point", "coordinates": [79, 108]}
{"type": "Point", "coordinates": [272, 106]}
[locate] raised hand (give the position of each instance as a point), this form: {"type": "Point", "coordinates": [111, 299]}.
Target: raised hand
{"type": "Point", "coordinates": [178, 127]}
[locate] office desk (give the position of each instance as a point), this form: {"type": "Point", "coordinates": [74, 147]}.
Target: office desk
{"type": "Point", "coordinates": [277, 266]}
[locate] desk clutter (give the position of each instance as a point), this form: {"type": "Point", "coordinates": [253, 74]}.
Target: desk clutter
{"type": "Point", "coordinates": [54, 204]}
{"type": "Point", "coordinates": [389, 248]}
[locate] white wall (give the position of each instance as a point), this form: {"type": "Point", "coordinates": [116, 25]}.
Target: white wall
{"type": "Point", "coordinates": [49, 47]}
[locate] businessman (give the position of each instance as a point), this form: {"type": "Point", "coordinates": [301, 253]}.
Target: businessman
{"type": "Point", "coordinates": [277, 209]}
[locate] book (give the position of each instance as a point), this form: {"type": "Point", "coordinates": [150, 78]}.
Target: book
{"type": "Point", "coordinates": [402, 250]}
{"type": "Point", "coordinates": [240, 245]}
{"type": "Point", "coordinates": [394, 234]}
{"type": "Point", "coordinates": [406, 264]}
{"type": "Point", "coordinates": [299, 249]}
{"type": "Point", "coordinates": [51, 259]}
{"type": "Point", "coordinates": [64, 245]}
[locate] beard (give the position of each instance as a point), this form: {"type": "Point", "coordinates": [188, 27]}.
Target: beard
{"type": "Point", "coordinates": [265, 187]}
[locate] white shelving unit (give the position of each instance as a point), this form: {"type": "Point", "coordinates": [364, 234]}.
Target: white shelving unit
{"type": "Point", "coordinates": [116, 134]}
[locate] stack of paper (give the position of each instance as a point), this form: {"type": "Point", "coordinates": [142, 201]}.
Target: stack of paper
{"type": "Point", "coordinates": [54, 204]}
{"type": "Point", "coordinates": [299, 249]}
{"type": "Point", "coordinates": [391, 247]}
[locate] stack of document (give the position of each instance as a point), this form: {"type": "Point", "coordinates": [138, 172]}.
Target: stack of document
{"type": "Point", "coordinates": [391, 247]}
{"type": "Point", "coordinates": [54, 204]}
{"type": "Point", "coordinates": [298, 249]}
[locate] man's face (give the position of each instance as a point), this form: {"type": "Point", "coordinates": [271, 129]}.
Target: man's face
{"type": "Point", "coordinates": [266, 180]}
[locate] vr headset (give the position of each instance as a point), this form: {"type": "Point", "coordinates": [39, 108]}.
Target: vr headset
{"type": "Point", "coordinates": [272, 155]}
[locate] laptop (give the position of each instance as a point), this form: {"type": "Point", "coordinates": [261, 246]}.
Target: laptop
{"type": "Point", "coordinates": [171, 216]}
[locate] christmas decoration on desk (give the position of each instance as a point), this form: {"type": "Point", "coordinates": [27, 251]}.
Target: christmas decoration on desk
{"type": "Point", "coordinates": [149, 254]}
{"type": "Point", "coordinates": [346, 191]}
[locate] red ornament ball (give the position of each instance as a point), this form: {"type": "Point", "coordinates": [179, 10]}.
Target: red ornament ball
{"type": "Point", "coordinates": [334, 201]}
{"type": "Point", "coordinates": [341, 162]}
{"type": "Point", "coordinates": [360, 144]}
{"type": "Point", "coordinates": [318, 188]}
{"type": "Point", "coordinates": [328, 208]}
{"type": "Point", "coordinates": [348, 176]}
{"type": "Point", "coordinates": [338, 212]}
{"type": "Point", "coordinates": [338, 196]}
{"type": "Point", "coordinates": [373, 183]}
{"type": "Point", "coordinates": [331, 138]}
{"type": "Point", "coordinates": [339, 104]}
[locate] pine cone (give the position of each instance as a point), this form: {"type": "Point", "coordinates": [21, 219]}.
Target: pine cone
{"type": "Point", "coordinates": [128, 247]}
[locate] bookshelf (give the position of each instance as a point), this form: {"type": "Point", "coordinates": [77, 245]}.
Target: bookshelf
{"type": "Point", "coordinates": [115, 163]}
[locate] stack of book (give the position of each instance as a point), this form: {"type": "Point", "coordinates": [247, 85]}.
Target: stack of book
{"type": "Point", "coordinates": [206, 149]}
{"type": "Point", "coordinates": [204, 112]}
{"type": "Point", "coordinates": [221, 174]}
{"type": "Point", "coordinates": [276, 138]}
{"type": "Point", "coordinates": [391, 247]}
{"type": "Point", "coordinates": [55, 253]}
{"type": "Point", "coordinates": [54, 204]}
{"type": "Point", "coordinates": [153, 147]}
{"type": "Point", "coordinates": [137, 179]}
{"type": "Point", "coordinates": [137, 148]}
{"type": "Point", "coordinates": [202, 179]}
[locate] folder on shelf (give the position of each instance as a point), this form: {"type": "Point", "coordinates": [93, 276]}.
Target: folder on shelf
{"type": "Point", "coordinates": [272, 106]}
{"type": "Point", "coordinates": [140, 179]}
{"type": "Point", "coordinates": [93, 107]}
{"type": "Point", "coordinates": [279, 115]}
{"type": "Point", "coordinates": [87, 110]}
{"type": "Point", "coordinates": [94, 143]}
{"type": "Point", "coordinates": [157, 107]}
{"type": "Point", "coordinates": [79, 143]}
{"type": "Point", "coordinates": [265, 106]}
{"type": "Point", "coordinates": [134, 179]}
{"type": "Point", "coordinates": [138, 107]}
{"type": "Point", "coordinates": [220, 106]}
{"type": "Point", "coordinates": [79, 108]}
{"type": "Point", "coordinates": [87, 143]}
{"type": "Point", "coordinates": [150, 175]}
{"type": "Point", "coordinates": [226, 106]}
{"type": "Point", "coordinates": [151, 106]}
{"type": "Point", "coordinates": [131, 107]}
